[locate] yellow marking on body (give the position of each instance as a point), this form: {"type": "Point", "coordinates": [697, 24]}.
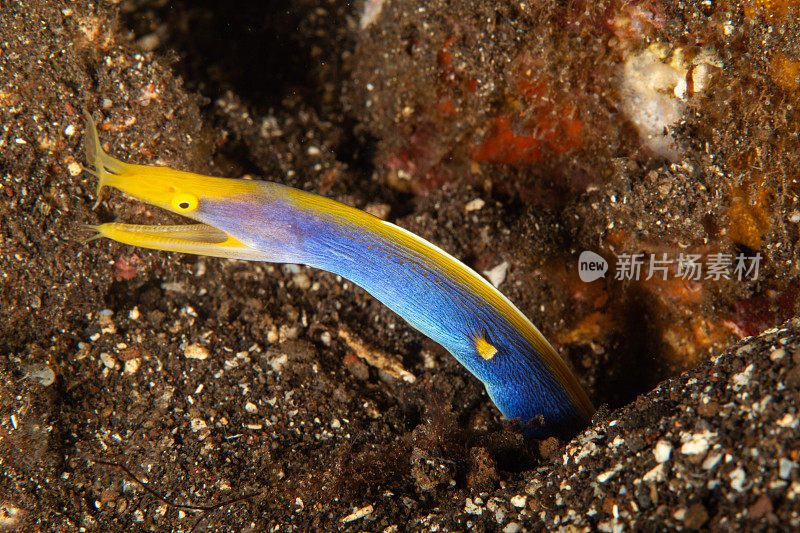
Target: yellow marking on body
{"type": "Point", "coordinates": [485, 350]}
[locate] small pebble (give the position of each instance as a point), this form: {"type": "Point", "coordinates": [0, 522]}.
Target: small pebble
{"type": "Point", "coordinates": [104, 317]}
{"type": "Point", "coordinates": [107, 360]}
{"type": "Point", "coordinates": [519, 500]}
{"type": "Point", "coordinates": [785, 467]}
{"type": "Point", "coordinates": [777, 355]}
{"type": "Point", "coordinates": [608, 474]}
{"type": "Point", "coordinates": [74, 168]}
{"type": "Point", "coordinates": [277, 363]}
{"type": "Point", "coordinates": [290, 269]}
{"type": "Point", "coordinates": [358, 513]}
{"type": "Point", "coordinates": [196, 351]}
{"type": "Point", "coordinates": [302, 281]}
{"type": "Point", "coordinates": [697, 445]}
{"type": "Point", "coordinates": [132, 366]}
{"type": "Point", "coordinates": [287, 332]}
{"type": "Point", "coordinates": [471, 508]}
{"type": "Point", "coordinates": [695, 516]}
{"type": "Point", "coordinates": [788, 421]}
{"type": "Point", "coordinates": [325, 338]}
{"type": "Point", "coordinates": [738, 478]}
{"type": "Point", "coordinates": [712, 461]}
{"type": "Point", "coordinates": [662, 451]}
{"type": "Point", "coordinates": [743, 378]}
{"type": "Point", "coordinates": [655, 474]}
{"type": "Point", "coordinates": [474, 205]}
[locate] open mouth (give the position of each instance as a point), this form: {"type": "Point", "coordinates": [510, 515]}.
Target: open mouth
{"type": "Point", "coordinates": [187, 233]}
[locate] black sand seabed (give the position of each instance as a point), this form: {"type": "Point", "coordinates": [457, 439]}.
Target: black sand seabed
{"type": "Point", "coordinates": [144, 391]}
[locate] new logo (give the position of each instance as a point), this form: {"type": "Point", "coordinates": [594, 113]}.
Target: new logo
{"type": "Point", "coordinates": [591, 266]}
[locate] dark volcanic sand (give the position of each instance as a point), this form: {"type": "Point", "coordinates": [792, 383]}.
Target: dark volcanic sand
{"type": "Point", "coordinates": [150, 391]}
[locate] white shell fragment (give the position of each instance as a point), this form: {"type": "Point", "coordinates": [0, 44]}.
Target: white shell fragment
{"type": "Point", "coordinates": [42, 373]}
{"type": "Point", "coordinates": [497, 275]}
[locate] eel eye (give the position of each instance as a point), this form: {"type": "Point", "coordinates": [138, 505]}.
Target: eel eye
{"type": "Point", "coordinates": [184, 202]}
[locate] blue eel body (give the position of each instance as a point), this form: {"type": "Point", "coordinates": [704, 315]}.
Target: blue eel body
{"type": "Point", "coordinates": [437, 294]}
{"type": "Point", "coordinates": [416, 286]}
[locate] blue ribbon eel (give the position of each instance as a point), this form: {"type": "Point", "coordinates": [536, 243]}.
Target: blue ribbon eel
{"type": "Point", "coordinates": [434, 292]}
